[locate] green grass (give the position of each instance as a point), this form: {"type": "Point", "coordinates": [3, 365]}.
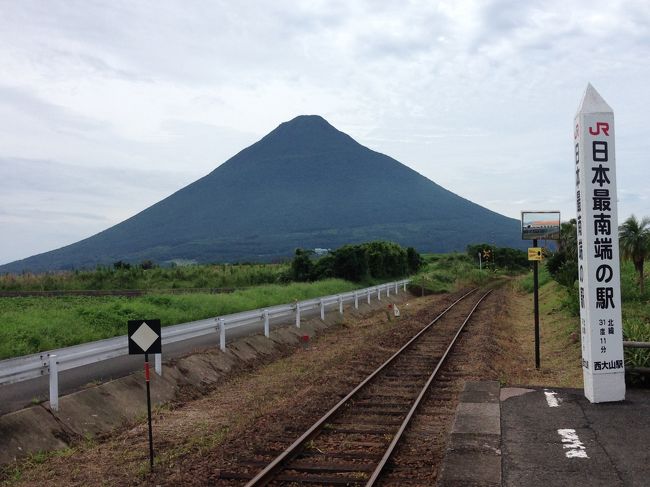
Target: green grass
{"type": "Point", "coordinates": [448, 272]}
{"type": "Point", "coordinates": [527, 285]}
{"type": "Point", "coordinates": [635, 311]}
{"type": "Point", "coordinates": [35, 324]}
{"type": "Point", "coordinates": [180, 277]}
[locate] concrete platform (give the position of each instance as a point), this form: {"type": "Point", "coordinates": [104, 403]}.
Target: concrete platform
{"type": "Point", "coordinates": [547, 437]}
{"type": "Point", "coordinates": [556, 437]}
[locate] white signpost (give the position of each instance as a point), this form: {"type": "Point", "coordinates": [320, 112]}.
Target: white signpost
{"type": "Point", "coordinates": [601, 324]}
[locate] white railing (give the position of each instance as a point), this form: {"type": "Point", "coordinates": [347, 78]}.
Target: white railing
{"type": "Point", "coordinates": [54, 361]}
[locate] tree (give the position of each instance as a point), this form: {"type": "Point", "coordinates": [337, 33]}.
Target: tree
{"type": "Point", "coordinates": [302, 266]}
{"type": "Point", "coordinates": [634, 240]}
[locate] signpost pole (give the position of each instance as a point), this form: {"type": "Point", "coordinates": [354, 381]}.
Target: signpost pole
{"type": "Point", "coordinates": [146, 378]}
{"type": "Point", "coordinates": [145, 337]}
{"type": "Point", "coordinates": [536, 305]}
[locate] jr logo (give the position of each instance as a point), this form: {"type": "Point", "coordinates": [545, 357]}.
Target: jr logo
{"type": "Point", "coordinates": [604, 126]}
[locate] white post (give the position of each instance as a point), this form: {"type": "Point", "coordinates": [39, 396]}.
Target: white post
{"type": "Point", "coordinates": [54, 383]}
{"type": "Point", "coordinates": [368, 295]}
{"type": "Point", "coordinates": [297, 315]}
{"type": "Point", "coordinates": [378, 293]}
{"type": "Point", "coordinates": [601, 326]}
{"type": "Point", "coordinates": [388, 290]}
{"type": "Point", "coordinates": [340, 305]}
{"type": "Point", "coordinates": [266, 323]}
{"type": "Point", "coordinates": [404, 285]}
{"type": "Point", "coordinates": [356, 300]}
{"type": "Point", "coordinates": [322, 310]}
{"type": "Point", "coordinates": [222, 334]}
{"type": "Point", "coordinates": [396, 287]}
{"type": "Point", "coordinates": [158, 363]}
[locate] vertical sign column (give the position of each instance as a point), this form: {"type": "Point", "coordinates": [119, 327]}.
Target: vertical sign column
{"type": "Point", "coordinates": [601, 326]}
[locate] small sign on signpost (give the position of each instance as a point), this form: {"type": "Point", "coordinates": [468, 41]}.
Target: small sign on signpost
{"type": "Point", "coordinates": [538, 225]}
{"type": "Point", "coordinates": [145, 337]}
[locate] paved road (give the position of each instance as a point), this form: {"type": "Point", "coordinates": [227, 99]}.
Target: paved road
{"type": "Point", "coordinates": [16, 396]}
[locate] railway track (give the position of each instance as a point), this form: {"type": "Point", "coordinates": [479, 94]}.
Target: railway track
{"type": "Point", "coordinates": [353, 443]}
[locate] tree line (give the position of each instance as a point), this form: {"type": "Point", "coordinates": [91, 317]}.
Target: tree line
{"type": "Point", "coordinates": [634, 245]}
{"type": "Point", "coordinates": [357, 262]}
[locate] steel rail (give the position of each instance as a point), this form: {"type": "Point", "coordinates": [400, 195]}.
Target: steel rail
{"type": "Point", "coordinates": [266, 475]}
{"type": "Point", "coordinates": [375, 475]}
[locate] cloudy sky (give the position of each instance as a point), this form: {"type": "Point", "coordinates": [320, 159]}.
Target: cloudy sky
{"type": "Point", "coordinates": [106, 107]}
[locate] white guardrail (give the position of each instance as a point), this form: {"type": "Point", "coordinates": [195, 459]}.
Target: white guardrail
{"type": "Point", "coordinates": [54, 361]}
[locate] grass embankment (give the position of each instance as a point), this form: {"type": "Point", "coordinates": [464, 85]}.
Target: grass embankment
{"type": "Point", "coordinates": [157, 278]}
{"type": "Point", "coordinates": [560, 353]}
{"type": "Point", "coordinates": [35, 324]}
{"type": "Point", "coordinates": [444, 273]}
{"type": "Point", "coordinates": [560, 322]}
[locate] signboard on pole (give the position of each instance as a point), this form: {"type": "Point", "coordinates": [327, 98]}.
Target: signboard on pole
{"type": "Point", "coordinates": [145, 337]}
{"type": "Point", "coordinates": [601, 326]}
{"type": "Point", "coordinates": [535, 253]}
{"type": "Point", "coordinates": [540, 225]}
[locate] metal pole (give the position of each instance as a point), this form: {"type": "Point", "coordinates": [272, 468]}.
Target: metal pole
{"type": "Point", "coordinates": [54, 383]}
{"type": "Point", "coordinates": [379, 294]}
{"type": "Point", "coordinates": [340, 305]}
{"type": "Point", "coordinates": [146, 378]}
{"type": "Point", "coordinates": [297, 315]}
{"type": "Point", "coordinates": [536, 306]}
{"type": "Point", "coordinates": [356, 300]}
{"type": "Point", "coordinates": [368, 295]}
{"type": "Point", "coordinates": [266, 323]}
{"type": "Point", "coordinates": [158, 363]}
{"type": "Point", "coordinates": [322, 310]}
{"type": "Point", "coordinates": [222, 334]}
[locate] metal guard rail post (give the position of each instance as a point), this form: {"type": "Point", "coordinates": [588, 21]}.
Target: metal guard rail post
{"type": "Point", "coordinates": [52, 362]}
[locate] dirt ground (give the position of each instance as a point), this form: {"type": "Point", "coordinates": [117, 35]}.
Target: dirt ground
{"type": "Point", "coordinates": [271, 403]}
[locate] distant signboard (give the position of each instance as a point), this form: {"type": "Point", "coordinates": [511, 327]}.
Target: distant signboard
{"type": "Point", "coordinates": [535, 253]}
{"type": "Point", "coordinates": [540, 225]}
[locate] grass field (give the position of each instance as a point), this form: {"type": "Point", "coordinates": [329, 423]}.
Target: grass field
{"type": "Point", "coordinates": [34, 324]}
{"type": "Point", "coordinates": [157, 278]}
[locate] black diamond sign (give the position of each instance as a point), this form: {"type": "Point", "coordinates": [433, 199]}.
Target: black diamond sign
{"type": "Point", "coordinates": [144, 337]}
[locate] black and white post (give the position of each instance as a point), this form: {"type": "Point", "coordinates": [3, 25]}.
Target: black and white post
{"type": "Point", "coordinates": [144, 338]}
{"type": "Point", "coordinates": [601, 325]}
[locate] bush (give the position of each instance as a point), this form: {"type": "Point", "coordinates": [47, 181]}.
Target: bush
{"type": "Point", "coordinates": [499, 257]}
{"type": "Point", "coordinates": [360, 262]}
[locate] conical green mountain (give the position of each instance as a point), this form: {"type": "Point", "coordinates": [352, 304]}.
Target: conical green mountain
{"type": "Point", "coordinates": [305, 184]}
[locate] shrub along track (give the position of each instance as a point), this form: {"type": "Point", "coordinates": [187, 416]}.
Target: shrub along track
{"type": "Point", "coordinates": [262, 411]}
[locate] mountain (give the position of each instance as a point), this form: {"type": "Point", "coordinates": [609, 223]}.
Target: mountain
{"type": "Point", "coordinates": [305, 184]}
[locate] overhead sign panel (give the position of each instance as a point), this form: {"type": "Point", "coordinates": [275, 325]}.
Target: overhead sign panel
{"type": "Point", "coordinates": [540, 225]}
{"type": "Point", "coordinates": [144, 337]}
{"type": "Point", "coordinates": [601, 327]}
